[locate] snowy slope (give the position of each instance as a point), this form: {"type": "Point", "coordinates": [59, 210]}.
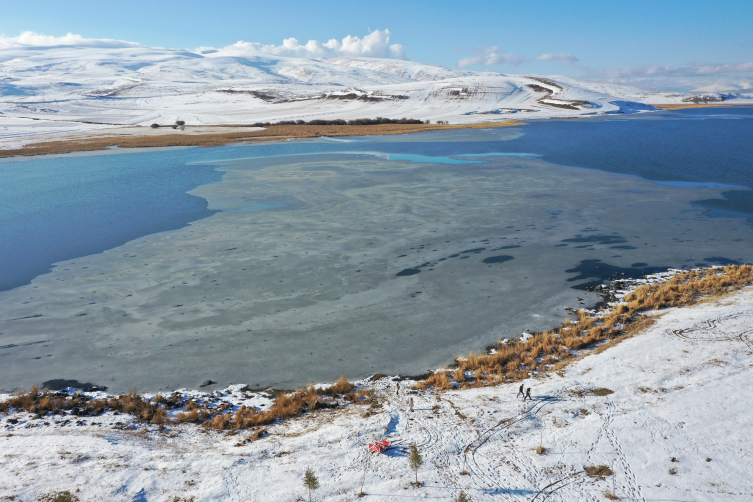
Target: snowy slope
{"type": "Point", "coordinates": [122, 83]}
{"type": "Point", "coordinates": [401, 68]}
{"type": "Point", "coordinates": [667, 410]}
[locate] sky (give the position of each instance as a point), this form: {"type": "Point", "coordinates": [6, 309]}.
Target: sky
{"type": "Point", "coordinates": [673, 45]}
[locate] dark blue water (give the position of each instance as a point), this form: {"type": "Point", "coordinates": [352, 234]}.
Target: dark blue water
{"type": "Point", "coordinates": [61, 208]}
{"type": "Point", "coordinates": [706, 145]}
{"type": "Point", "coordinates": [711, 145]}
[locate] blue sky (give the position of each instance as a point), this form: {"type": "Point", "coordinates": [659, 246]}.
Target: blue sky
{"type": "Point", "coordinates": [609, 39]}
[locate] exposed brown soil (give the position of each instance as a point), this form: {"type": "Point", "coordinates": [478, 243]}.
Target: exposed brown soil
{"type": "Point", "coordinates": [598, 470]}
{"type": "Point", "coordinates": [569, 104]}
{"type": "Point", "coordinates": [699, 105]}
{"type": "Point", "coordinates": [270, 133]}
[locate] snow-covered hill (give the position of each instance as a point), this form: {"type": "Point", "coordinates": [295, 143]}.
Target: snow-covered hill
{"type": "Point", "coordinates": [47, 89]}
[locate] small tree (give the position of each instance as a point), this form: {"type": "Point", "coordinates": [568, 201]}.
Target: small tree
{"type": "Point", "coordinates": [310, 481]}
{"type": "Point", "coordinates": [462, 497]}
{"type": "Point", "coordinates": [415, 460]}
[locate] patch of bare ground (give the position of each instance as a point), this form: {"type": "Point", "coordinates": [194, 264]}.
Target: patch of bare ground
{"type": "Point", "coordinates": [270, 133]}
{"type": "Point", "coordinates": [590, 332]}
{"type": "Point", "coordinates": [64, 496]}
{"type": "Point", "coordinates": [698, 105]}
{"type": "Point", "coordinates": [598, 470]}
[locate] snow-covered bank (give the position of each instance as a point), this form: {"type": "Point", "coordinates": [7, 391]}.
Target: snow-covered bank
{"type": "Point", "coordinates": [666, 410]}
{"type": "Point", "coordinates": [45, 91]}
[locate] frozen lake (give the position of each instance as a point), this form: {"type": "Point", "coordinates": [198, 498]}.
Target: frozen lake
{"type": "Point", "coordinates": [311, 259]}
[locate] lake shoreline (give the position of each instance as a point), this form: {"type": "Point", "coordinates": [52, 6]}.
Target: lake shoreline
{"type": "Point", "coordinates": [150, 309]}
{"type": "Point", "coordinates": [685, 106]}
{"type": "Point", "coordinates": [624, 392]}
{"type": "Point", "coordinates": [134, 139]}
{"type": "Point", "coordinates": [128, 138]}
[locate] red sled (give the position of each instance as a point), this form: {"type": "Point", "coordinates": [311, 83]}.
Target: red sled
{"type": "Point", "coordinates": [379, 446]}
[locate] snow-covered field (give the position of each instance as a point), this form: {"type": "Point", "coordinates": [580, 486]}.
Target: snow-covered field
{"type": "Point", "coordinates": [46, 91]}
{"type": "Point", "coordinates": [667, 410]}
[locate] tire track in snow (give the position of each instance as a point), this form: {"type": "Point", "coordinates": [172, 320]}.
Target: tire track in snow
{"type": "Point", "coordinates": [713, 330]}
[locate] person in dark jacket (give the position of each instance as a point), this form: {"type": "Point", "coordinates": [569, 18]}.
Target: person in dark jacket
{"type": "Point", "coordinates": [528, 394]}
{"type": "Point", "coordinates": [520, 391]}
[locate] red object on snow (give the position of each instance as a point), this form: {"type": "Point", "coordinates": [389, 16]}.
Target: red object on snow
{"type": "Point", "coordinates": [379, 446]}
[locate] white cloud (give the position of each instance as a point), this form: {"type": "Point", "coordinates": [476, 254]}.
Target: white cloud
{"type": "Point", "coordinates": [690, 70]}
{"type": "Point", "coordinates": [725, 86]}
{"type": "Point", "coordinates": [702, 77]}
{"type": "Point", "coordinates": [559, 57]}
{"type": "Point", "coordinates": [376, 44]}
{"type": "Point", "coordinates": [32, 39]}
{"type": "Point", "coordinates": [719, 69]}
{"type": "Point", "coordinates": [493, 55]}
{"type": "Point", "coordinates": [397, 51]}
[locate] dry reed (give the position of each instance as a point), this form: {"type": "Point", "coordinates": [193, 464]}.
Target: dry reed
{"type": "Point", "coordinates": [552, 350]}
{"type": "Point", "coordinates": [219, 418]}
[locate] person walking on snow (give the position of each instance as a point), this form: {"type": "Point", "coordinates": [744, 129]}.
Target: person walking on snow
{"type": "Point", "coordinates": [397, 388]}
{"type": "Point", "coordinates": [410, 403]}
{"type": "Point", "coordinates": [528, 394]}
{"type": "Point", "coordinates": [520, 391]}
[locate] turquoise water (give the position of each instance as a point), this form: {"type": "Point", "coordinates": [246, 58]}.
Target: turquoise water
{"type": "Point", "coordinates": [54, 209]}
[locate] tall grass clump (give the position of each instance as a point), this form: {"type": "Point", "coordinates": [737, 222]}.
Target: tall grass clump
{"type": "Point", "coordinates": [288, 405]}
{"type": "Point", "coordinates": [44, 402]}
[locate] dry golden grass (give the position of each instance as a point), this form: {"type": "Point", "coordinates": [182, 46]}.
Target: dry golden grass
{"type": "Point", "coordinates": [553, 350]}
{"type": "Point", "coordinates": [598, 470]}
{"type": "Point", "coordinates": [44, 403]}
{"type": "Point", "coordinates": [270, 133]}
{"type": "Point", "coordinates": [698, 105]}
{"type": "Point", "coordinates": [64, 496]}
{"type": "Point", "coordinates": [290, 405]}
{"type": "Point", "coordinates": [154, 411]}
{"type": "Point", "coordinates": [438, 380]}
